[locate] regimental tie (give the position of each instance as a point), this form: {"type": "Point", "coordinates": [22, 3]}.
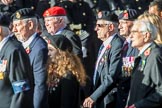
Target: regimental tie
{"type": "Point", "coordinates": [95, 72]}
{"type": "Point", "coordinates": [125, 47]}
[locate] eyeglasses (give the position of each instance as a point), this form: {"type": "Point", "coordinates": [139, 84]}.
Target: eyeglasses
{"type": "Point", "coordinates": [136, 31]}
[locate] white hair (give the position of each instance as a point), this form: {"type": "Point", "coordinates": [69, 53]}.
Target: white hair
{"type": "Point", "coordinates": [147, 26]}
{"type": "Point", "coordinates": [34, 20]}
{"type": "Point", "coordinates": [65, 19]}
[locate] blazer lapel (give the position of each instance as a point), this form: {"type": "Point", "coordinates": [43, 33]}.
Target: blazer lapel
{"type": "Point", "coordinates": [33, 42]}
{"type": "Point", "coordinates": [104, 60]}
{"type": "Point", "coordinates": [140, 63]}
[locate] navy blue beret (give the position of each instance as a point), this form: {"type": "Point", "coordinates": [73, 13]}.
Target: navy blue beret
{"type": "Point", "coordinates": [130, 14]}
{"type": "Point", "coordinates": [23, 14]}
{"type": "Point", "coordinates": [60, 42]}
{"type": "Point", "coordinates": [4, 19]}
{"type": "Point", "coordinates": [108, 16]}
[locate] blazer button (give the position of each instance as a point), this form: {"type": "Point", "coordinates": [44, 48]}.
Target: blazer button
{"type": "Point", "coordinates": [123, 100]}
{"type": "Point", "coordinates": [117, 84]}
{"type": "Point", "coordinates": [122, 88]}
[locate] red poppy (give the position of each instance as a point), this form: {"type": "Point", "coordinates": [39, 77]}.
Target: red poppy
{"type": "Point", "coordinates": [147, 52]}
{"type": "Point", "coordinates": [108, 46]}
{"type": "Point", "coordinates": [27, 50]}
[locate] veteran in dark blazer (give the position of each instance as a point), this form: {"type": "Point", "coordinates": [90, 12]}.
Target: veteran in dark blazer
{"type": "Point", "coordinates": [16, 80]}
{"type": "Point", "coordinates": [126, 19]}
{"type": "Point", "coordinates": [146, 80]}
{"type": "Point", "coordinates": [24, 27]}
{"type": "Point", "coordinates": [56, 22]}
{"type": "Point", "coordinates": [107, 64]}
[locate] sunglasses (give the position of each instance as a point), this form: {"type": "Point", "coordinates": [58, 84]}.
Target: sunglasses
{"type": "Point", "coordinates": [101, 25]}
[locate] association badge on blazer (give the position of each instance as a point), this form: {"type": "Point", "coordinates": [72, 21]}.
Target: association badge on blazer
{"type": "Point", "coordinates": [3, 65]}
{"type": "Point", "coordinates": [143, 61]}
{"type": "Point", "coordinates": [18, 15]}
{"type": "Point", "coordinates": [104, 57]}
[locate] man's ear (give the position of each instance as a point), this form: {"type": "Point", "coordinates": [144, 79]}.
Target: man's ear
{"type": "Point", "coordinates": [60, 20]}
{"type": "Point", "coordinates": [111, 27]}
{"type": "Point", "coordinates": [31, 24]}
{"type": "Point", "coordinates": [147, 37]}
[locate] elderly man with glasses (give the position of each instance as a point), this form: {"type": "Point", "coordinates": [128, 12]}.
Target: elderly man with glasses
{"type": "Point", "coordinates": [146, 80]}
{"type": "Point", "coordinates": [107, 64]}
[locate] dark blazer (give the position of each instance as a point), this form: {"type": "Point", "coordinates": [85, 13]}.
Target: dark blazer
{"type": "Point", "coordinates": [38, 55]}
{"type": "Point", "coordinates": [66, 94]}
{"type": "Point", "coordinates": [146, 80]}
{"type": "Point", "coordinates": [17, 71]}
{"type": "Point", "coordinates": [123, 82]}
{"type": "Point", "coordinates": [108, 66]}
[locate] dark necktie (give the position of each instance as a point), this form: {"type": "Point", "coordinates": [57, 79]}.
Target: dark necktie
{"type": "Point", "coordinates": [100, 50]}
{"type": "Point", "coordinates": [125, 48]}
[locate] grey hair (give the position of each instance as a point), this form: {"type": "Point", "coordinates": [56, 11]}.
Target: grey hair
{"type": "Point", "coordinates": [116, 26]}
{"type": "Point", "coordinates": [34, 20]}
{"type": "Point", "coordinates": [65, 19]}
{"type": "Point", "coordinates": [147, 26]}
{"type": "Point", "coordinates": [114, 23]}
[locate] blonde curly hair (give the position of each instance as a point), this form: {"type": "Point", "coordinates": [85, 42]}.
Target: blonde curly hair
{"type": "Point", "coordinates": [64, 61]}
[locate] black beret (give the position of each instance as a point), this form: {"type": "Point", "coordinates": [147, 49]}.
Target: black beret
{"type": "Point", "coordinates": [61, 42]}
{"type": "Point", "coordinates": [130, 14]}
{"type": "Point", "coordinates": [23, 14]}
{"type": "Point", "coordinates": [108, 16]}
{"type": "Point", "coordinates": [4, 19]}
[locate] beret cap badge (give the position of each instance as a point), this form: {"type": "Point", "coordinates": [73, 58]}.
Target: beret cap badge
{"type": "Point", "coordinates": [47, 13]}
{"type": "Point", "coordinates": [18, 15]}
{"type": "Point", "coordinates": [125, 14]}
{"type": "Point", "coordinates": [99, 14]}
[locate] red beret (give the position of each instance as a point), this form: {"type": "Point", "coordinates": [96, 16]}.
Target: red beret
{"type": "Point", "coordinates": [55, 11]}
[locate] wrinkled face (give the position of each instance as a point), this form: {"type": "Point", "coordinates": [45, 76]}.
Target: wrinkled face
{"type": "Point", "coordinates": [52, 25]}
{"type": "Point", "coordinates": [21, 30]}
{"type": "Point", "coordinates": [125, 27]}
{"type": "Point", "coordinates": [137, 37]}
{"type": "Point", "coordinates": [102, 29]}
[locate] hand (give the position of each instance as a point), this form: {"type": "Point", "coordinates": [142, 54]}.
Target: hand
{"type": "Point", "coordinates": [6, 2]}
{"type": "Point", "coordinates": [88, 103]}
{"type": "Point", "coordinates": [132, 106]}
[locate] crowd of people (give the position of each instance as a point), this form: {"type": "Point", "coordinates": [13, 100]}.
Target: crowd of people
{"type": "Point", "coordinates": [80, 54]}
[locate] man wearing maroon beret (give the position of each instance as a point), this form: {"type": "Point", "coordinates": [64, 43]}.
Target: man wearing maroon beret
{"type": "Point", "coordinates": [56, 23]}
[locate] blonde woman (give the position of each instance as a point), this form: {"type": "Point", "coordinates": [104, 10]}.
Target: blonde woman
{"type": "Point", "coordinates": [157, 22]}
{"type": "Point", "coordinates": [65, 74]}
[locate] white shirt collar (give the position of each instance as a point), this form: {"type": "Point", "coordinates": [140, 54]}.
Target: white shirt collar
{"type": "Point", "coordinates": [108, 40]}
{"type": "Point", "coordinates": [60, 30]}
{"type": "Point", "coordinates": [128, 40]}
{"type": "Point", "coordinates": [144, 48]}
{"type": "Point", "coordinates": [27, 43]}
